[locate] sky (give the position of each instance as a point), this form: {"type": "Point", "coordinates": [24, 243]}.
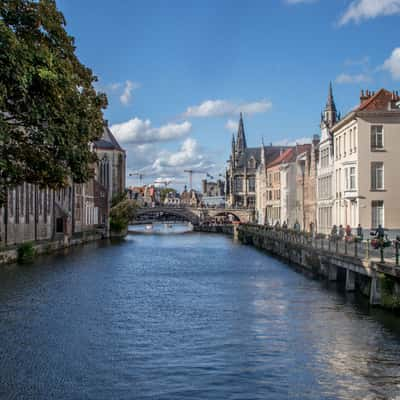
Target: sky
{"type": "Point", "coordinates": [177, 73]}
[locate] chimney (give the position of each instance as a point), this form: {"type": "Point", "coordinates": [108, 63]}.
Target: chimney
{"type": "Point", "coordinates": [363, 96]}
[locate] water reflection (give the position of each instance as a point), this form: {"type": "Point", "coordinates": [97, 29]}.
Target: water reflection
{"type": "Point", "coordinates": [161, 228]}
{"type": "Point", "coordinates": [187, 317]}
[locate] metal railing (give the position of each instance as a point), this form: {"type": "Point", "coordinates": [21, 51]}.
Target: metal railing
{"type": "Point", "coordinates": [377, 250]}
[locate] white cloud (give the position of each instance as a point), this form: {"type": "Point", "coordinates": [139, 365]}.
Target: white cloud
{"type": "Point", "coordinates": [231, 125]}
{"type": "Point", "coordinates": [291, 142]}
{"type": "Point", "coordinates": [360, 10]}
{"type": "Point", "coordinates": [349, 79]}
{"type": "Point", "coordinates": [392, 64]}
{"type": "Point", "coordinates": [218, 108]}
{"type": "Point", "coordinates": [126, 95]}
{"type": "Point", "coordinates": [141, 131]}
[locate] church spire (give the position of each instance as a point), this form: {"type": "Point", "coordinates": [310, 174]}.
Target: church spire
{"type": "Point", "coordinates": [241, 137]}
{"type": "Point", "coordinates": [330, 112]}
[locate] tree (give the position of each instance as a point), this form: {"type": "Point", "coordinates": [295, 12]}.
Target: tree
{"type": "Point", "coordinates": [49, 108]}
{"type": "Point", "coordinates": [121, 214]}
{"type": "Point", "coordinates": [164, 193]}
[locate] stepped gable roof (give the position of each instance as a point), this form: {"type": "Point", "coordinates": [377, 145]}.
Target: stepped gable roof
{"type": "Point", "coordinates": [107, 140]}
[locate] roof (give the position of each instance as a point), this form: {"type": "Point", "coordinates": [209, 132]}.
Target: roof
{"type": "Point", "coordinates": [285, 156]}
{"type": "Point", "coordinates": [107, 140]}
{"type": "Point", "coordinates": [289, 154]}
{"type": "Point", "coordinates": [378, 101]}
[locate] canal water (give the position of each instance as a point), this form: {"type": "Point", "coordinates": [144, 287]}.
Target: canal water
{"type": "Point", "coordinates": [191, 316]}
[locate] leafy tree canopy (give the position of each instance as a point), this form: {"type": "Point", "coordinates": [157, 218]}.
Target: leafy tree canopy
{"type": "Point", "coordinates": [49, 109]}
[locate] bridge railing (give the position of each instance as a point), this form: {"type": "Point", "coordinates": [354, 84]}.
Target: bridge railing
{"type": "Point", "coordinates": [378, 250]}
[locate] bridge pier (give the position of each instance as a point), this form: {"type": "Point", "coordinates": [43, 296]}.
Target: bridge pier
{"type": "Point", "coordinates": [375, 292]}
{"type": "Point", "coordinates": [350, 280]}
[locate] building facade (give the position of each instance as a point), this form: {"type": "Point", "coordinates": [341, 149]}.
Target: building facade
{"type": "Point", "coordinates": [325, 185]}
{"type": "Point", "coordinates": [244, 168]}
{"type": "Point", "coordinates": [34, 214]}
{"type": "Point", "coordinates": [367, 151]}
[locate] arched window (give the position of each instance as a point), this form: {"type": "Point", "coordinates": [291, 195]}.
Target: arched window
{"type": "Point", "coordinates": [251, 163]}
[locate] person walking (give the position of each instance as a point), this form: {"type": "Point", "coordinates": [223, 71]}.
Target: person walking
{"type": "Point", "coordinates": [380, 232]}
{"type": "Point", "coordinates": [341, 232]}
{"type": "Point", "coordinates": [348, 232]}
{"type": "Point", "coordinates": [334, 232]}
{"type": "Point", "coordinates": [360, 234]}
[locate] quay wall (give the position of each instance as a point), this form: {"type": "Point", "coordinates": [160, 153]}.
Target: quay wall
{"type": "Point", "coordinates": [379, 281]}
{"type": "Point", "coordinates": [10, 254]}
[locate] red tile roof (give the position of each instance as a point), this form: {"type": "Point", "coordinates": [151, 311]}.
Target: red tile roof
{"type": "Point", "coordinates": [379, 101]}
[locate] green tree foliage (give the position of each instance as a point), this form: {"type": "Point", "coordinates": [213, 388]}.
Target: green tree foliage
{"type": "Point", "coordinates": [164, 193]}
{"type": "Point", "coordinates": [49, 109]}
{"type": "Point", "coordinates": [121, 214]}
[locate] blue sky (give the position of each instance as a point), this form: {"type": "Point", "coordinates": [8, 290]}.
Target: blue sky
{"type": "Point", "coordinates": [177, 73]}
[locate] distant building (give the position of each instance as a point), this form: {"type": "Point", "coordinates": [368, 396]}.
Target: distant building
{"type": "Point", "coordinates": [190, 198]}
{"type": "Point", "coordinates": [242, 170]}
{"type": "Point", "coordinates": [212, 189]}
{"type": "Point", "coordinates": [172, 199]}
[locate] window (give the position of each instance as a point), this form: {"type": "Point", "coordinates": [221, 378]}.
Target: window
{"type": "Point", "coordinates": [238, 184]}
{"type": "Point", "coordinates": [376, 137]}
{"type": "Point", "coordinates": [378, 213]}
{"type": "Point", "coordinates": [377, 182]}
{"type": "Point", "coordinates": [252, 184]}
{"type": "Point", "coordinates": [352, 178]}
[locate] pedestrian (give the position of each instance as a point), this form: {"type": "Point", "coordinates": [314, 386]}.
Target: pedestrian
{"type": "Point", "coordinates": [297, 226]}
{"type": "Point", "coordinates": [348, 231]}
{"type": "Point", "coordinates": [360, 233]}
{"type": "Point", "coordinates": [284, 225]}
{"type": "Point", "coordinates": [334, 232]}
{"type": "Point", "coordinates": [341, 232]}
{"type": "Point", "coordinates": [380, 232]}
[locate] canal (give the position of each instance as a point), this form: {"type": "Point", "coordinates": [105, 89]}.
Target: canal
{"type": "Point", "coordinates": [191, 316]}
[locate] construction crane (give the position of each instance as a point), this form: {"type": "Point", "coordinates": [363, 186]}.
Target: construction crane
{"type": "Point", "coordinates": [166, 182]}
{"type": "Point", "coordinates": [139, 175]}
{"type": "Point", "coordinates": [191, 172]}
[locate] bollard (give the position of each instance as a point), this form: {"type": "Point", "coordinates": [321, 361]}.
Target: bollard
{"type": "Point", "coordinates": [355, 247]}
{"type": "Point", "coordinates": [337, 245]}
{"type": "Point", "coordinates": [345, 246]}
{"type": "Point", "coordinates": [329, 243]}
{"type": "Point", "coordinates": [367, 250]}
{"type": "Point", "coordinates": [397, 252]}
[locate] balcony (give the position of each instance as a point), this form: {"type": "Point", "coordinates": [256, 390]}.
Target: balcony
{"type": "Point", "coordinates": [350, 194]}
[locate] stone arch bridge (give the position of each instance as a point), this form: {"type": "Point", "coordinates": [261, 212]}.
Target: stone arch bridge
{"type": "Point", "coordinates": [191, 214]}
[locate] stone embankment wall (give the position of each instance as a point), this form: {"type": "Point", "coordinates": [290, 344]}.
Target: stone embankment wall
{"type": "Point", "coordinates": [10, 254]}
{"type": "Point", "coordinates": [379, 281]}
{"type": "Point", "coordinates": [226, 229]}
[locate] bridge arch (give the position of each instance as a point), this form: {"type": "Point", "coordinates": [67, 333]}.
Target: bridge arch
{"type": "Point", "coordinates": [228, 214]}
{"type": "Point", "coordinates": [166, 214]}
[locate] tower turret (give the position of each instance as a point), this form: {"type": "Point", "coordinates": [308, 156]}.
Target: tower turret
{"type": "Point", "coordinates": [329, 117]}
{"type": "Point", "coordinates": [241, 137]}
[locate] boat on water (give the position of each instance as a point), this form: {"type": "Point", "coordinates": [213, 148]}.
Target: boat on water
{"type": "Point", "coordinates": [149, 227]}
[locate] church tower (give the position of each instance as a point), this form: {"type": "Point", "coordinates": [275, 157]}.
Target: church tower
{"type": "Point", "coordinates": [240, 139]}
{"type": "Point", "coordinates": [329, 116]}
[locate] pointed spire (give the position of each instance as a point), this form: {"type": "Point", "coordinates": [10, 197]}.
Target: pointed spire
{"type": "Point", "coordinates": [241, 137]}
{"type": "Point", "coordinates": [330, 112]}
